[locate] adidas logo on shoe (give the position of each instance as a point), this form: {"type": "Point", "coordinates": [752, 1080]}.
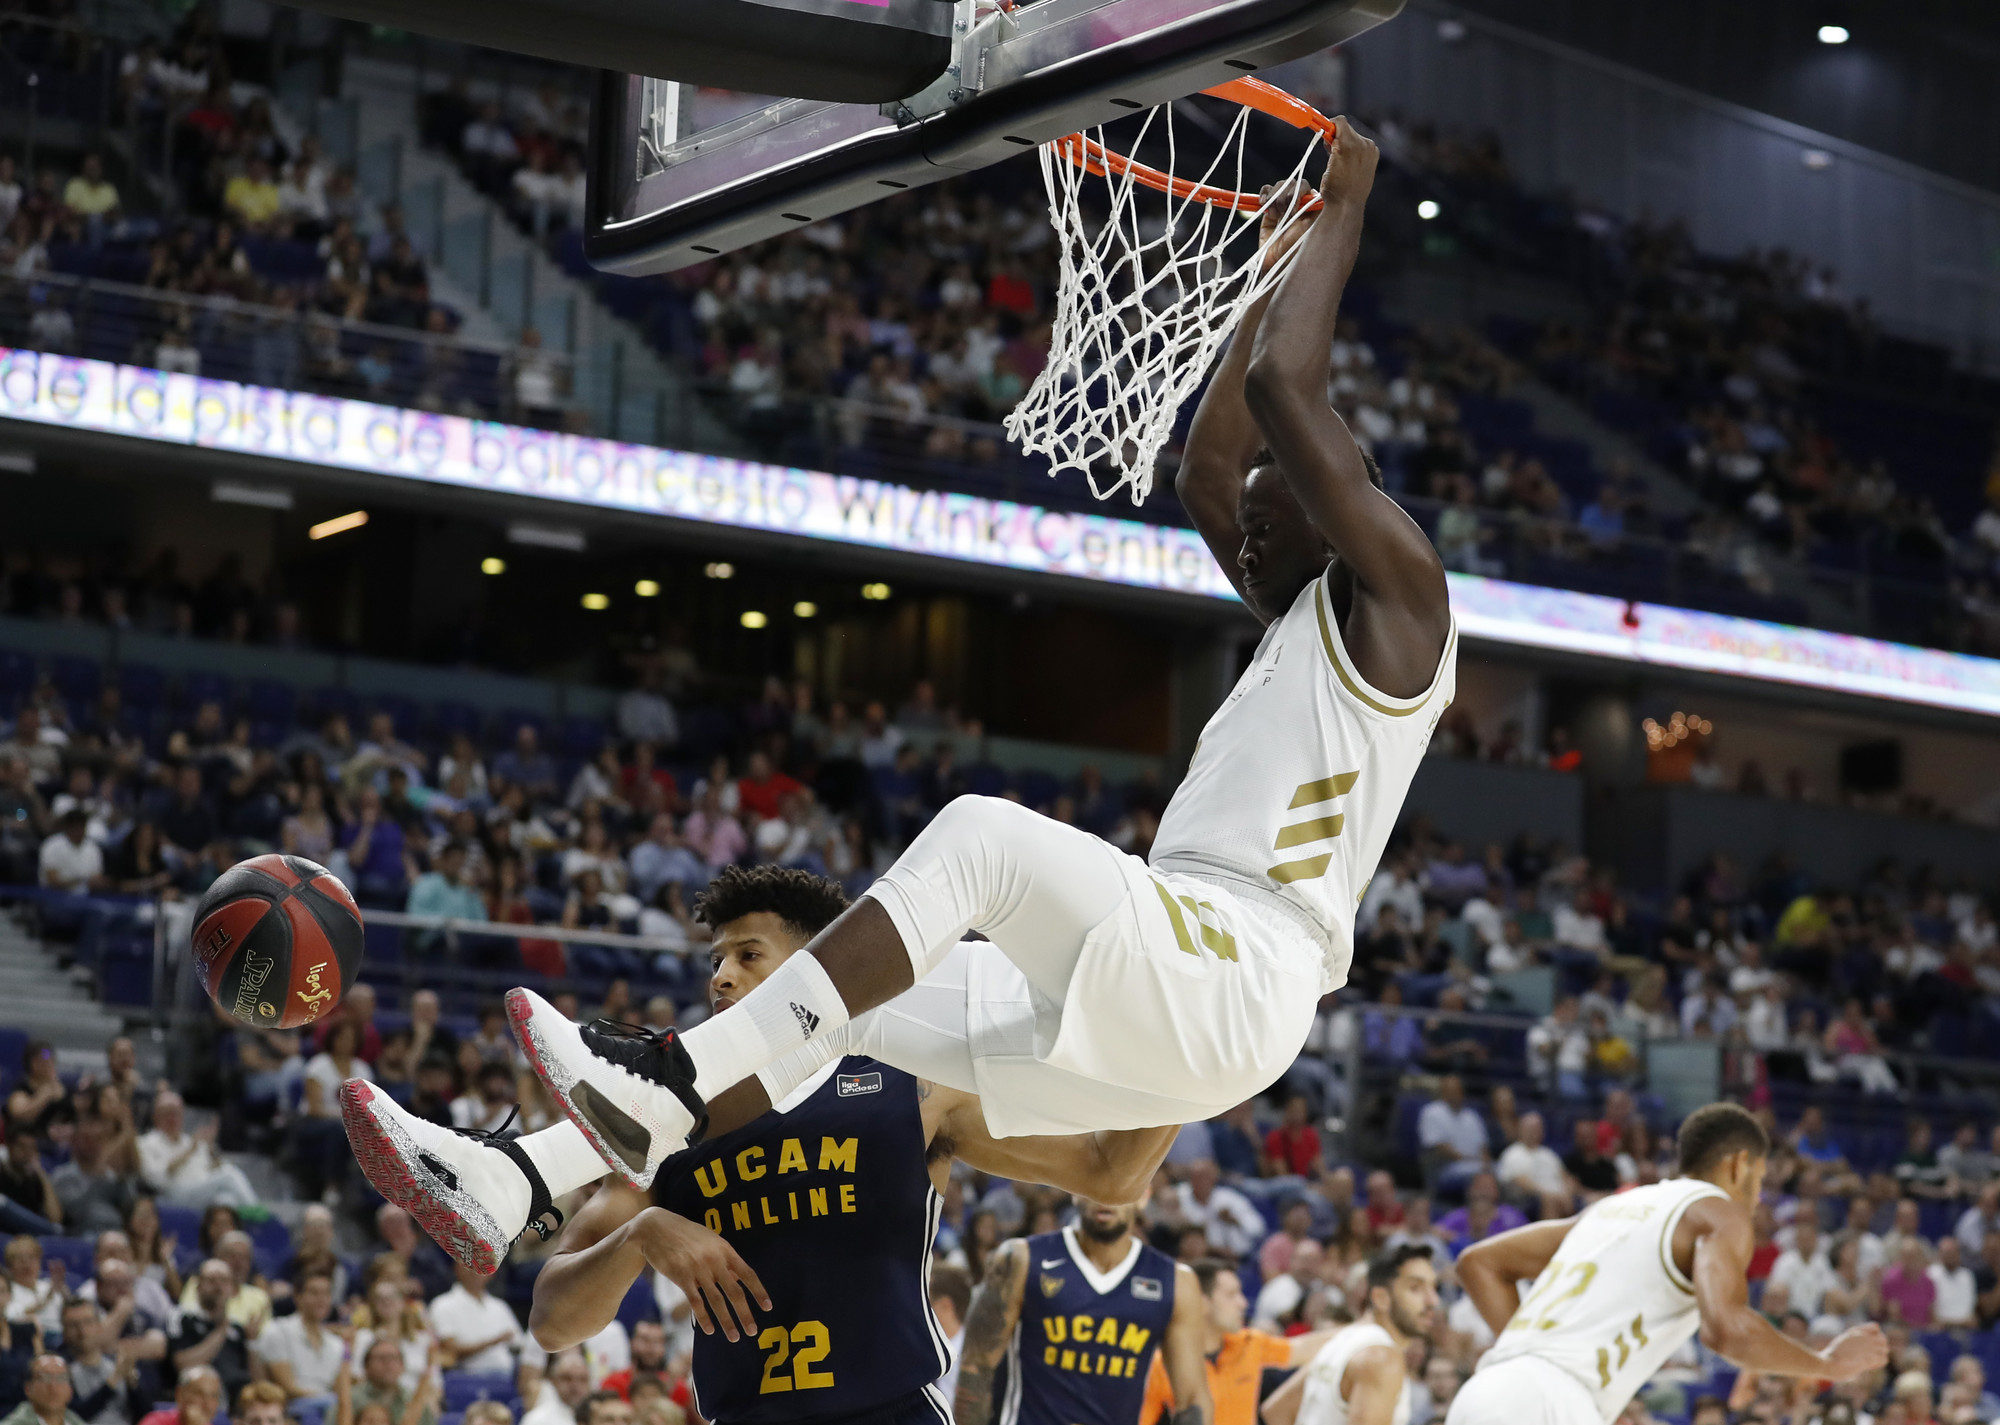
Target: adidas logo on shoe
{"type": "Point", "coordinates": [436, 1168]}
{"type": "Point", "coordinates": [808, 1021]}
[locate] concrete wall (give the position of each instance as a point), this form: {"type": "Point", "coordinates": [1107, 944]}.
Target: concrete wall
{"type": "Point", "coordinates": [1479, 802]}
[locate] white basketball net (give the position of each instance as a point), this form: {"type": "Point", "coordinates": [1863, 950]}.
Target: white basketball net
{"type": "Point", "coordinates": [1149, 293]}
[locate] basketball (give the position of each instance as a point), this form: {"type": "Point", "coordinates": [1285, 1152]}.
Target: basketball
{"type": "Point", "coordinates": [277, 940]}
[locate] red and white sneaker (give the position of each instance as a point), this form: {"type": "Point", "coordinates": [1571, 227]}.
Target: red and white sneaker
{"type": "Point", "coordinates": [629, 1089]}
{"type": "Point", "coordinates": [473, 1191]}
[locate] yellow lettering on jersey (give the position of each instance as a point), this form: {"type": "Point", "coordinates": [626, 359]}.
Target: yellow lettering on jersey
{"type": "Point", "coordinates": [847, 1195]}
{"type": "Point", "coordinates": [712, 1220]}
{"type": "Point", "coordinates": [1069, 1360]}
{"type": "Point", "coordinates": [750, 1164]}
{"type": "Point", "coordinates": [708, 1171]}
{"type": "Point", "coordinates": [795, 1205]}
{"type": "Point", "coordinates": [816, 1200]}
{"type": "Point", "coordinates": [838, 1156]}
{"type": "Point", "coordinates": [791, 1157]}
{"type": "Point", "coordinates": [1048, 1355]}
{"type": "Point", "coordinates": [1134, 1339]}
{"type": "Point", "coordinates": [1056, 1328]}
{"type": "Point", "coordinates": [764, 1205]}
{"type": "Point", "coordinates": [1107, 1334]}
{"type": "Point", "coordinates": [1080, 1327]}
{"type": "Point", "coordinates": [739, 1216]}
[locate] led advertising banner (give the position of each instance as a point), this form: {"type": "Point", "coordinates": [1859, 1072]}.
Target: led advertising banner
{"type": "Point", "coordinates": [492, 456]}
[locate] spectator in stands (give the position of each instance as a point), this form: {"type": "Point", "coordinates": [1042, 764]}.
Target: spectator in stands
{"type": "Point", "coordinates": [301, 1352]}
{"type": "Point", "coordinates": [1956, 1304]}
{"type": "Point", "coordinates": [207, 1335]}
{"type": "Point", "coordinates": [1452, 1134]}
{"type": "Point", "coordinates": [1907, 1291]}
{"type": "Point", "coordinates": [1225, 1215]}
{"type": "Point", "coordinates": [101, 1380]}
{"type": "Point", "coordinates": [48, 1395]}
{"type": "Point", "coordinates": [185, 1167]}
{"type": "Point", "coordinates": [381, 1388]}
{"type": "Point", "coordinates": [1559, 1051]}
{"type": "Point", "coordinates": [569, 1379]}
{"type": "Point", "coordinates": [526, 766]}
{"type": "Point", "coordinates": [645, 715]}
{"type": "Point", "coordinates": [442, 891]}
{"type": "Point", "coordinates": [1292, 1149]}
{"type": "Point", "coordinates": [1384, 1208]}
{"type": "Point", "coordinates": [378, 866]}
{"type": "Point", "coordinates": [1803, 1269]}
{"type": "Point", "coordinates": [1483, 1215]}
{"type": "Point", "coordinates": [262, 1403]}
{"type": "Point", "coordinates": [70, 860]}
{"type": "Point", "coordinates": [1531, 1174]}
{"type": "Point", "coordinates": [197, 1400]}
{"type": "Point", "coordinates": [1587, 1164]}
{"type": "Point", "coordinates": [421, 1261]}
{"type": "Point", "coordinates": [94, 1190]}
{"type": "Point", "coordinates": [25, 1182]}
{"type": "Point", "coordinates": [92, 197]}
{"type": "Point", "coordinates": [476, 1332]}
{"type": "Point", "coordinates": [1979, 1221]}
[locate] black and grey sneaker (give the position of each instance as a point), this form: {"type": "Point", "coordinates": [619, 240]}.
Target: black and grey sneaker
{"type": "Point", "coordinates": [629, 1089]}
{"type": "Point", "coordinates": [473, 1191]}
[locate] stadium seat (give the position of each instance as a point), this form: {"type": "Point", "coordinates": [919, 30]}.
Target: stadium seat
{"type": "Point", "coordinates": [462, 1388]}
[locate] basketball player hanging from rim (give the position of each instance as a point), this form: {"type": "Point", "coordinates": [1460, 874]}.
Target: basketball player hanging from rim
{"type": "Point", "coordinates": [1109, 993]}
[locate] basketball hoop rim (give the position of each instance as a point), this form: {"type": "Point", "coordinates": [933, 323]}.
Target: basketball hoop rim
{"type": "Point", "coordinates": [1093, 157]}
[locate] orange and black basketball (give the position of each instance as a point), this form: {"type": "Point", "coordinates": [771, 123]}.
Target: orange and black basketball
{"type": "Point", "coordinates": [277, 941]}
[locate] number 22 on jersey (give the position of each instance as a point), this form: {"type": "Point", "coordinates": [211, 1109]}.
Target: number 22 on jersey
{"type": "Point", "coordinates": [812, 1346]}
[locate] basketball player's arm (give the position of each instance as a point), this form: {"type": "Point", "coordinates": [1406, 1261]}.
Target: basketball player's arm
{"type": "Point", "coordinates": [1398, 643]}
{"type": "Point", "coordinates": [617, 1235]}
{"type": "Point", "coordinates": [1305, 1347]}
{"type": "Point", "coordinates": [1736, 1331]}
{"type": "Point", "coordinates": [1186, 1360]}
{"type": "Point", "coordinates": [1373, 1385]}
{"type": "Point", "coordinates": [1492, 1271]}
{"type": "Point", "coordinates": [1281, 1406]}
{"type": "Point", "coordinates": [1223, 438]}
{"type": "Point", "coordinates": [1111, 1167]}
{"type": "Point", "coordinates": [989, 1326]}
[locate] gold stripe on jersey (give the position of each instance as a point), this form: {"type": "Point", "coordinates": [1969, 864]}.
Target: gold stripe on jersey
{"type": "Point", "coordinates": [1324, 790]}
{"type": "Point", "coordinates": [1309, 869]}
{"type": "Point", "coordinates": [1313, 828]}
{"type": "Point", "coordinates": [1320, 828]}
{"type": "Point", "coordinates": [1348, 681]}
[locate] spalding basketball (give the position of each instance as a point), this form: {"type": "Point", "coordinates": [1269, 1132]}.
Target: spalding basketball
{"type": "Point", "coordinates": [277, 940]}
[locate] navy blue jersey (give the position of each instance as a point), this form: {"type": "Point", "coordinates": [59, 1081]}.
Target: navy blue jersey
{"type": "Point", "coordinates": [1080, 1353]}
{"type": "Point", "coordinates": [832, 1206]}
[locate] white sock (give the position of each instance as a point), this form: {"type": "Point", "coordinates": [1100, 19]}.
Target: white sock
{"type": "Point", "coordinates": [563, 1156]}
{"type": "Point", "coordinates": [796, 1005]}
{"type": "Point", "coordinates": [785, 1073]}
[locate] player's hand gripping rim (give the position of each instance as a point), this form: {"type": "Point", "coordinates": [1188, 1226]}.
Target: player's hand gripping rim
{"type": "Point", "coordinates": [718, 1283]}
{"type": "Point", "coordinates": [1286, 216]}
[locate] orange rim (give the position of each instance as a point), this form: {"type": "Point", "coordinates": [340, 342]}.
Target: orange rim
{"type": "Point", "coordinates": [1093, 157]}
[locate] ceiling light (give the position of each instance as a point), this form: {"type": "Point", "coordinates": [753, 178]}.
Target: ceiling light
{"type": "Point", "coordinates": [647, 589]}
{"type": "Point", "coordinates": [1833, 34]}
{"type": "Point", "coordinates": [597, 603]}
{"type": "Point", "coordinates": [877, 592]}
{"type": "Point", "coordinates": [339, 524]}
{"type": "Point", "coordinates": [229, 492]}
{"type": "Point", "coordinates": [720, 570]}
{"type": "Point", "coordinates": [753, 618]}
{"type": "Point", "coordinates": [805, 608]}
{"type": "Point", "coordinates": [493, 564]}
{"type": "Point", "coordinates": [1428, 210]}
{"type": "Point", "coordinates": [1816, 159]}
{"type": "Point", "coordinates": [544, 536]}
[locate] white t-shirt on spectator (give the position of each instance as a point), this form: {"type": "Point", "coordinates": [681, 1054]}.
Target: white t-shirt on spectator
{"type": "Point", "coordinates": [69, 866]}
{"type": "Point", "coordinates": [1535, 1169]}
{"type": "Point", "coordinates": [1463, 1131]}
{"type": "Point", "coordinates": [459, 1316]}
{"type": "Point", "coordinates": [1957, 1296]}
{"type": "Point", "coordinates": [606, 1354]}
{"type": "Point", "coordinates": [1464, 1318]}
{"type": "Point", "coordinates": [1804, 1279]}
{"type": "Point", "coordinates": [314, 1368]}
{"type": "Point", "coordinates": [321, 1069]}
{"type": "Point", "coordinates": [1232, 1224]}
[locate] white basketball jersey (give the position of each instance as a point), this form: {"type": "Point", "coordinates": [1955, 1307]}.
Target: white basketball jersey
{"type": "Point", "coordinates": [1320, 1400]}
{"type": "Point", "coordinates": [1612, 1306]}
{"type": "Point", "coordinates": [1300, 776]}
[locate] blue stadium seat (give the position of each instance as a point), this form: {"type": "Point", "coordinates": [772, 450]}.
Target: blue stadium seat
{"type": "Point", "coordinates": [462, 1388]}
{"type": "Point", "coordinates": [75, 1253]}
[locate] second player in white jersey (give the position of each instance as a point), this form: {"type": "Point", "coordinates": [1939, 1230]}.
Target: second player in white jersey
{"type": "Point", "coordinates": [1621, 1287]}
{"type": "Point", "coordinates": [1361, 1376]}
{"type": "Point", "coordinates": [1611, 1305]}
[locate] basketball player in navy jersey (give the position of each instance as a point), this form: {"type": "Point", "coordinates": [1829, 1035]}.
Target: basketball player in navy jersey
{"type": "Point", "coordinates": [1075, 1316]}
{"type": "Point", "coordinates": [824, 1209]}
